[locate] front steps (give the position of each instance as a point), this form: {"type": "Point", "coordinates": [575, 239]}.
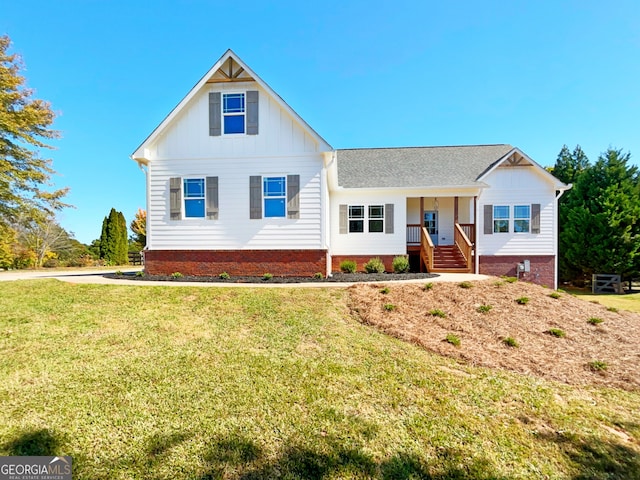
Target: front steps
{"type": "Point", "coordinates": [448, 259]}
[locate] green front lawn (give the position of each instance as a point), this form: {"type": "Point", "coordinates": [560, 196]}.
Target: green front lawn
{"type": "Point", "coordinates": [630, 301]}
{"type": "Point", "coordinates": [198, 383]}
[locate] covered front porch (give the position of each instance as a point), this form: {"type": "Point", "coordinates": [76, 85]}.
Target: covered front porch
{"type": "Point", "coordinates": [441, 233]}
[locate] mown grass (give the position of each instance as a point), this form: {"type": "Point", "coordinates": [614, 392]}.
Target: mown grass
{"type": "Point", "coordinates": [154, 382]}
{"type": "Point", "coordinates": [629, 302]}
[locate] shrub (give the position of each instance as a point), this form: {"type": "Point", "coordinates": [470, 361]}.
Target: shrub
{"type": "Point", "coordinates": [453, 339]}
{"type": "Point", "coordinates": [511, 342]}
{"type": "Point", "coordinates": [176, 275]}
{"type": "Point", "coordinates": [385, 290]}
{"type": "Point", "coordinates": [348, 266]}
{"type": "Point", "coordinates": [555, 295]}
{"type": "Point", "coordinates": [389, 307]}
{"type": "Point", "coordinates": [498, 283]}
{"type": "Point", "coordinates": [318, 276]}
{"type": "Point", "coordinates": [119, 273]}
{"type": "Point", "coordinates": [401, 264]}
{"type": "Point", "coordinates": [556, 332]}
{"type": "Point", "coordinates": [139, 273]}
{"type": "Point", "coordinates": [598, 366]}
{"type": "Point", "coordinates": [267, 276]}
{"type": "Point", "coordinates": [612, 309]}
{"type": "Point", "coordinates": [595, 320]}
{"type": "Point", "coordinates": [428, 286]}
{"type": "Point", "coordinates": [522, 300]}
{"type": "Point", "coordinates": [465, 284]}
{"type": "Point", "coordinates": [484, 308]}
{"type": "Point", "coordinates": [510, 279]}
{"type": "Point", "coordinates": [374, 265]}
{"type": "Point", "coordinates": [436, 312]}
{"type": "Point", "coordinates": [224, 276]}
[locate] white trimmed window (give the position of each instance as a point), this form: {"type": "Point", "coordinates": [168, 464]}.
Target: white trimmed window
{"type": "Point", "coordinates": [521, 218]}
{"type": "Point", "coordinates": [501, 218]}
{"type": "Point", "coordinates": [233, 113]}
{"type": "Point", "coordinates": [275, 196]}
{"type": "Point", "coordinates": [194, 197]}
{"type": "Point", "coordinates": [356, 218]}
{"type": "Point", "coordinates": [376, 218]}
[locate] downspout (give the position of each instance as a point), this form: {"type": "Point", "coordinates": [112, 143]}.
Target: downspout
{"type": "Point", "coordinates": [326, 209]}
{"type": "Point", "coordinates": [555, 228]}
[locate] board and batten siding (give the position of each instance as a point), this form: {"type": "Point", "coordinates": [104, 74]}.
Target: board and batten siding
{"type": "Point", "coordinates": [234, 229]}
{"type": "Point", "coordinates": [379, 243]}
{"type": "Point", "coordinates": [518, 186]}
{"type": "Point", "coordinates": [188, 135]}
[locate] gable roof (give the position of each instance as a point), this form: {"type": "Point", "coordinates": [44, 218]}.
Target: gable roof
{"type": "Point", "coordinates": [417, 167]}
{"type": "Point", "coordinates": [224, 70]}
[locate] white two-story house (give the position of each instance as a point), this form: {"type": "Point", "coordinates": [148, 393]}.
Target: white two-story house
{"type": "Point", "coordinates": [238, 182]}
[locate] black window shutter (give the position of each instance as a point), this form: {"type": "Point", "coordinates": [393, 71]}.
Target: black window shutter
{"type": "Point", "coordinates": [252, 112]}
{"type": "Point", "coordinates": [344, 219]}
{"type": "Point", "coordinates": [212, 198]}
{"type": "Point", "coordinates": [488, 219]}
{"type": "Point", "coordinates": [255, 197]}
{"type": "Point", "coordinates": [175, 198]}
{"type": "Point", "coordinates": [215, 114]}
{"type": "Point", "coordinates": [388, 218]}
{"type": "Point", "coordinates": [293, 196]}
{"type": "Point", "coordinates": [535, 218]}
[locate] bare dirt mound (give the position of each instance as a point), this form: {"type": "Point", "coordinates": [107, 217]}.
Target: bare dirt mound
{"type": "Point", "coordinates": [607, 353]}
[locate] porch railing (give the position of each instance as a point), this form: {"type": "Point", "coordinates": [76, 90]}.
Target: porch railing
{"type": "Point", "coordinates": [469, 230]}
{"type": "Point", "coordinates": [413, 234]}
{"type": "Point", "coordinates": [426, 249]}
{"type": "Point", "coordinates": [464, 244]}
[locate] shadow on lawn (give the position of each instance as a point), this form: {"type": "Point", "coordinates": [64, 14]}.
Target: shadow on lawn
{"type": "Point", "coordinates": [42, 443]}
{"type": "Point", "coordinates": [241, 459]}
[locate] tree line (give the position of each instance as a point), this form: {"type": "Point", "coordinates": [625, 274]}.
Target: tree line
{"type": "Point", "coordinates": [599, 217]}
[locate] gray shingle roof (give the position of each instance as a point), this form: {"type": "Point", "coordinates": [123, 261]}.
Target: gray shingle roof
{"type": "Point", "coordinates": [416, 167]}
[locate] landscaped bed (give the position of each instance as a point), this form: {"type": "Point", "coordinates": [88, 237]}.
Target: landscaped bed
{"type": "Point", "coordinates": [517, 326]}
{"type": "Point", "coordinates": [335, 277]}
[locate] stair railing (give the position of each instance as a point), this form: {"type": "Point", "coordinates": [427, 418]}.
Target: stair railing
{"type": "Point", "coordinates": [464, 245]}
{"type": "Point", "coordinates": [426, 249]}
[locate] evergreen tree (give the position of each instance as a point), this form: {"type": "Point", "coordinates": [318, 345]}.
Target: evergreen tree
{"type": "Point", "coordinates": [113, 239]}
{"type": "Point", "coordinates": [601, 233]}
{"type": "Point", "coordinates": [568, 168]}
{"type": "Point", "coordinates": [24, 128]}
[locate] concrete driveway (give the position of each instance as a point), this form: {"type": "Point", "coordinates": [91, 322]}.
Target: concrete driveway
{"type": "Point", "coordinates": [96, 276]}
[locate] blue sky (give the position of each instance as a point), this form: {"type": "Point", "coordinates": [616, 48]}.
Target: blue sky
{"type": "Point", "coordinates": [534, 74]}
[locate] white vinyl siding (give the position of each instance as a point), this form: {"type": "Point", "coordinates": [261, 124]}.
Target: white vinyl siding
{"type": "Point", "coordinates": [515, 187]}
{"type": "Point", "coordinates": [366, 243]}
{"type": "Point", "coordinates": [188, 136]}
{"type": "Point", "coordinates": [233, 229]}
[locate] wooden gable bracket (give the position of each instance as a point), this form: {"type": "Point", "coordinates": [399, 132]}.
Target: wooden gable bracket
{"type": "Point", "coordinates": [229, 72]}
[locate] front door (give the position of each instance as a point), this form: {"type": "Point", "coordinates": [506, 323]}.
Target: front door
{"type": "Point", "coordinates": [431, 224]}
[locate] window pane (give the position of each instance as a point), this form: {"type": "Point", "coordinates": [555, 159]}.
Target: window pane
{"type": "Point", "coordinates": [193, 187]}
{"type": "Point", "coordinates": [376, 211]}
{"type": "Point", "coordinates": [356, 211]}
{"type": "Point", "coordinates": [501, 211]}
{"type": "Point", "coordinates": [501, 226]}
{"type": "Point", "coordinates": [194, 208]}
{"type": "Point", "coordinates": [356, 226]}
{"type": "Point", "coordinates": [274, 187]}
{"type": "Point", "coordinates": [233, 103]}
{"type": "Point", "coordinates": [521, 211]}
{"type": "Point", "coordinates": [521, 226]}
{"type": "Point", "coordinates": [376, 226]}
{"type": "Point", "coordinates": [234, 124]}
{"type": "Point", "coordinates": [274, 207]}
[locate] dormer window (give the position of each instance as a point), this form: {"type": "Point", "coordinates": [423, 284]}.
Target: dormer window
{"type": "Point", "coordinates": [233, 112]}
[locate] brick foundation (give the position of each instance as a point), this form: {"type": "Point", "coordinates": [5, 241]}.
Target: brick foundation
{"type": "Point", "coordinates": [282, 263]}
{"type": "Point", "coordinates": [542, 267]}
{"type": "Point", "coordinates": [361, 260]}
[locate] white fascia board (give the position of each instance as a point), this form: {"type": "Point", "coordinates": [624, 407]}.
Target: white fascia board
{"type": "Point", "coordinates": [139, 152]}
{"type": "Point", "coordinates": [556, 183]}
{"type": "Point", "coordinates": [444, 190]}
